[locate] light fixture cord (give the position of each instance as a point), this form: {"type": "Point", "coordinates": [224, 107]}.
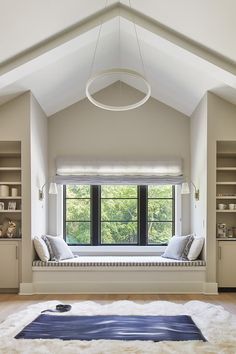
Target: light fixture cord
{"type": "Point", "coordinates": [138, 43]}
{"type": "Point", "coordinates": [96, 46]}
{"type": "Point", "coordinates": [119, 48]}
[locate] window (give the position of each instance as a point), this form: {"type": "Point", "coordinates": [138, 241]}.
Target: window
{"type": "Point", "coordinates": [118, 214]}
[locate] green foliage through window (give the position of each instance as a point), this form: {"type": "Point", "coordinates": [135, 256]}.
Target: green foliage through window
{"type": "Point", "coordinates": [118, 214]}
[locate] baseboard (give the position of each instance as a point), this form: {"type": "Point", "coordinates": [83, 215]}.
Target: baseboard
{"type": "Point", "coordinates": [26, 289]}
{"type": "Point", "coordinates": [113, 288]}
{"type": "Point", "coordinates": [210, 288]}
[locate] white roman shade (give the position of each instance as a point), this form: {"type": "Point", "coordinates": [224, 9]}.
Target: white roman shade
{"type": "Point", "coordinates": [77, 170]}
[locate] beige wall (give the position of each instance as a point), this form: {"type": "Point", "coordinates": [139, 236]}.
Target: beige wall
{"type": "Point", "coordinates": [15, 125]}
{"type": "Point", "coordinates": [39, 168]}
{"type": "Point", "coordinates": [198, 138]}
{"type": "Point", "coordinates": [150, 131]}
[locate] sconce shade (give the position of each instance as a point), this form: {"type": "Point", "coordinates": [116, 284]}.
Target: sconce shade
{"type": "Point", "coordinates": [53, 188]}
{"type": "Point", "coordinates": [185, 188]}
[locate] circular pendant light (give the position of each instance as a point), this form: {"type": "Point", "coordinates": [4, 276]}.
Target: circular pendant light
{"type": "Point", "coordinates": [120, 71]}
{"type": "Point", "coordinates": [114, 71]}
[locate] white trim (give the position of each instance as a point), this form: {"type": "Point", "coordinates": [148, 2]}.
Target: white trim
{"type": "Point", "coordinates": [119, 281]}
{"type": "Point", "coordinates": [210, 288]}
{"type": "Point", "coordinates": [178, 210]}
{"type": "Point", "coordinates": [119, 250]}
{"type": "Point", "coordinates": [26, 289]}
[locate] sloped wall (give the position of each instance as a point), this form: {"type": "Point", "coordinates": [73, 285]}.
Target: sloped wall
{"type": "Point", "coordinates": [150, 131]}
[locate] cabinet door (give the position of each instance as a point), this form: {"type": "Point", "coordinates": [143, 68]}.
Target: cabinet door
{"type": "Point", "coordinates": [8, 265]}
{"type": "Point", "coordinates": [227, 264]}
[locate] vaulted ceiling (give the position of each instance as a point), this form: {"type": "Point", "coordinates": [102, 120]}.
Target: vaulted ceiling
{"type": "Point", "coordinates": [188, 48]}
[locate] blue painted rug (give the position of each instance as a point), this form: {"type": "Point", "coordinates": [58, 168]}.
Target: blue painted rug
{"type": "Point", "coordinates": [112, 327]}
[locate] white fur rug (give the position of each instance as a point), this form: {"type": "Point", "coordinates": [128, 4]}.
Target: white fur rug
{"type": "Point", "coordinates": [217, 325]}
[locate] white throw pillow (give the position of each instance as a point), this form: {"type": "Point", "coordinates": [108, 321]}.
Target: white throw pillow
{"type": "Point", "coordinates": [41, 249]}
{"type": "Point", "coordinates": [176, 247]}
{"type": "Point", "coordinates": [59, 248]}
{"type": "Point", "coordinates": [195, 248]}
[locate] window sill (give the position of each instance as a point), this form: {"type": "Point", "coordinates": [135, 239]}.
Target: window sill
{"type": "Point", "coordinates": [118, 250]}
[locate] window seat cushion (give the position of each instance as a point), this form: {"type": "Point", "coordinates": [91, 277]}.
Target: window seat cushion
{"type": "Point", "coordinates": [119, 261]}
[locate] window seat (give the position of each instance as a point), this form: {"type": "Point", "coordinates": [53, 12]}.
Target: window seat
{"type": "Point", "coordinates": [119, 261]}
{"type": "Point", "coordinates": [116, 274]}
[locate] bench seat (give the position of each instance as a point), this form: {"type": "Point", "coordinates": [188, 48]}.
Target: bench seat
{"type": "Point", "coordinates": [119, 261]}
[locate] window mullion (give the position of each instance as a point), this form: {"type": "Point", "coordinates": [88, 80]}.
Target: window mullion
{"type": "Point", "coordinates": [173, 210]}
{"type": "Point", "coordinates": [143, 215]}
{"type": "Point", "coordinates": [64, 212]}
{"type": "Point", "coordinates": [95, 215]}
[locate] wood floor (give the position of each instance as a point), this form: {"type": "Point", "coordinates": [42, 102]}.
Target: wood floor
{"type": "Point", "coordinates": [10, 303]}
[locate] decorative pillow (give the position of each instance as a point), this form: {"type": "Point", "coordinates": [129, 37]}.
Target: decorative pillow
{"type": "Point", "coordinates": [195, 248]}
{"type": "Point", "coordinates": [187, 247]}
{"type": "Point", "coordinates": [59, 248]}
{"type": "Point", "coordinates": [176, 247]}
{"type": "Point", "coordinates": [41, 249]}
{"type": "Point", "coordinates": [51, 254]}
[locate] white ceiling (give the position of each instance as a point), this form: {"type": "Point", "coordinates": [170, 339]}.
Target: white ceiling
{"type": "Point", "coordinates": [178, 77]}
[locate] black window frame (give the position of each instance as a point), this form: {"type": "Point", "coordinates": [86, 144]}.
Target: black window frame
{"type": "Point", "coordinates": [95, 219]}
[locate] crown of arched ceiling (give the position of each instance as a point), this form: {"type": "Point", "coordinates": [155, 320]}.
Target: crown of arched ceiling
{"type": "Point", "coordinates": [179, 70]}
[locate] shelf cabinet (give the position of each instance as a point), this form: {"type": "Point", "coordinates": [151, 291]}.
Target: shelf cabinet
{"type": "Point", "coordinates": [226, 214]}
{"type": "Point", "coordinates": [226, 264]}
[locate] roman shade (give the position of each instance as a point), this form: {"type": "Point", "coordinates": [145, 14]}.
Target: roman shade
{"type": "Point", "coordinates": [77, 170]}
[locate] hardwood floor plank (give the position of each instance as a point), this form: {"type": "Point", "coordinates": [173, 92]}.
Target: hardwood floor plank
{"type": "Point", "coordinates": [11, 303]}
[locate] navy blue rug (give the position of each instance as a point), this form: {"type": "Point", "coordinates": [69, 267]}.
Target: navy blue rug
{"type": "Point", "coordinates": [154, 328]}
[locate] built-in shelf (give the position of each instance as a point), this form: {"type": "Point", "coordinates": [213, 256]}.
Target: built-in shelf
{"type": "Point", "coordinates": [227, 154]}
{"type": "Point", "coordinates": [10, 154]}
{"type": "Point", "coordinates": [10, 238]}
{"type": "Point", "coordinates": [226, 183]}
{"type": "Point", "coordinates": [10, 211]}
{"type": "Point", "coordinates": [226, 197]}
{"type": "Point", "coordinates": [13, 198]}
{"type": "Point", "coordinates": [11, 183]}
{"type": "Point", "coordinates": [226, 238]}
{"type": "Point", "coordinates": [225, 211]}
{"type": "Point", "coordinates": [226, 169]}
{"type": "Point", "coordinates": [10, 168]}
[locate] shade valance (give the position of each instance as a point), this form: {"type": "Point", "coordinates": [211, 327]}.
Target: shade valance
{"type": "Point", "coordinates": [77, 170]}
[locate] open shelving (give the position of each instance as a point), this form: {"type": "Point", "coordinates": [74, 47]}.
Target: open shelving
{"type": "Point", "coordinates": [11, 194]}
{"type": "Point", "coordinates": [226, 185]}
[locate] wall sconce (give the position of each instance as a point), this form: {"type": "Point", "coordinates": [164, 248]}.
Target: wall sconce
{"type": "Point", "coordinates": [52, 189]}
{"type": "Point", "coordinates": [186, 190]}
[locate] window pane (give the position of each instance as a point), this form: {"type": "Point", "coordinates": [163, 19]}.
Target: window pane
{"type": "Point", "coordinates": [159, 232]}
{"type": "Point", "coordinates": [119, 191]}
{"type": "Point", "coordinates": [73, 191]}
{"type": "Point", "coordinates": [119, 232]}
{"type": "Point", "coordinates": [160, 209]}
{"type": "Point", "coordinates": [119, 209]}
{"type": "Point", "coordinates": [78, 209]}
{"type": "Point", "coordinates": [78, 232]}
{"type": "Point", "coordinates": [164, 191]}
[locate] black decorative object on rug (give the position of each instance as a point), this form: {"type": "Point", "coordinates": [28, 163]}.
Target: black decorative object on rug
{"type": "Point", "coordinates": [112, 327]}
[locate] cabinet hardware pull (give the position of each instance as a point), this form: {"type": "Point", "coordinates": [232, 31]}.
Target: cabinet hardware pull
{"type": "Point", "coordinates": [219, 252]}
{"type": "Point", "coordinates": [16, 252]}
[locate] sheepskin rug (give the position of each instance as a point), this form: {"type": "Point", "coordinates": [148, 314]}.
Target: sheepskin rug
{"type": "Point", "coordinates": [217, 325]}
